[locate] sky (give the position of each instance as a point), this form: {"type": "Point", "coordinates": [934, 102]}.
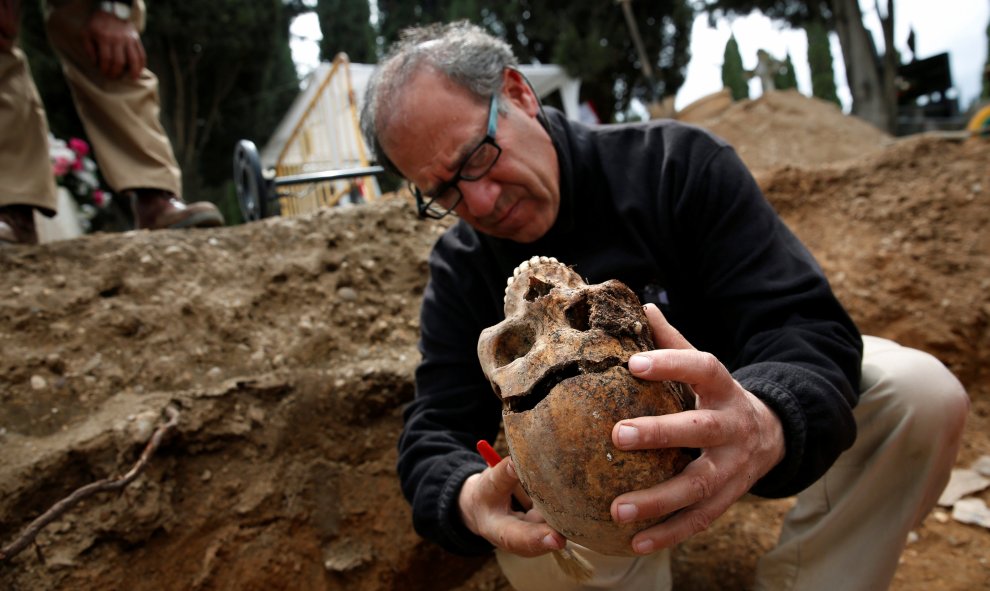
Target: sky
{"type": "Point", "coordinates": [956, 26]}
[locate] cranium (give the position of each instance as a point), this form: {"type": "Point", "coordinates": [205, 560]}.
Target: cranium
{"type": "Point", "coordinates": [558, 363]}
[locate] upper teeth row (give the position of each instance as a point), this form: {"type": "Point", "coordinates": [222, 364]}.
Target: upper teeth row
{"type": "Point", "coordinates": [536, 260]}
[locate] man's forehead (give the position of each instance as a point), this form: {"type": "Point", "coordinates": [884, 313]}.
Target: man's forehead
{"type": "Point", "coordinates": [438, 115]}
{"type": "Point", "coordinates": [429, 92]}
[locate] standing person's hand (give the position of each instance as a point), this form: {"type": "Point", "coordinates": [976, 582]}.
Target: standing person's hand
{"type": "Point", "coordinates": [9, 18]}
{"type": "Point", "coordinates": [485, 503]}
{"type": "Point", "coordinates": [740, 437]}
{"type": "Point", "coordinates": [113, 45]}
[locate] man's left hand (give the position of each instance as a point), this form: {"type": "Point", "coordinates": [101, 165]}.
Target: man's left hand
{"type": "Point", "coordinates": [114, 45]}
{"type": "Point", "coordinates": [740, 437]}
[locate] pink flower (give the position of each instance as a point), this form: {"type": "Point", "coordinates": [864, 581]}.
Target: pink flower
{"type": "Point", "coordinates": [99, 198]}
{"type": "Point", "coordinates": [61, 166]}
{"type": "Point", "coordinates": [77, 164]}
{"type": "Point", "coordinates": [79, 146]}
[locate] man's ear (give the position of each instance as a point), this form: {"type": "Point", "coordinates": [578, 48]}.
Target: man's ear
{"type": "Point", "coordinates": [519, 92]}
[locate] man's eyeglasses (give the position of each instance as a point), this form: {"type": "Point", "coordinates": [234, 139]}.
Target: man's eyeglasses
{"type": "Point", "coordinates": [479, 161]}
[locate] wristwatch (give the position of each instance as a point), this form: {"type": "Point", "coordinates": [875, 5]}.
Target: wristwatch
{"type": "Point", "coordinates": [118, 8]}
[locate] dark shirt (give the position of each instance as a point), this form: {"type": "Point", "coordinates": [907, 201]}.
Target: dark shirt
{"type": "Point", "coordinates": [672, 212]}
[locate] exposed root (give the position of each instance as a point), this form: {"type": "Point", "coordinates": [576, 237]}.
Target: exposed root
{"type": "Point", "coordinates": [107, 484]}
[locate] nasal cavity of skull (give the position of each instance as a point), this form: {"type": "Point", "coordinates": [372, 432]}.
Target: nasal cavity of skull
{"type": "Point", "coordinates": [513, 343]}
{"type": "Point", "coordinates": [537, 289]}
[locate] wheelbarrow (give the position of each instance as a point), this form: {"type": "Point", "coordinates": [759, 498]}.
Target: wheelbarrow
{"type": "Point", "coordinates": [258, 191]}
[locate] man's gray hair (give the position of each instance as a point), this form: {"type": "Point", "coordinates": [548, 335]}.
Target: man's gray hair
{"type": "Point", "coordinates": [465, 53]}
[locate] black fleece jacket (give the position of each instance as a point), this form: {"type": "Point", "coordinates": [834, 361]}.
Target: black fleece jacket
{"type": "Point", "coordinates": [672, 212]}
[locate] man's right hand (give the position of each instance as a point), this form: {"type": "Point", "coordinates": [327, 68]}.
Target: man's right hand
{"type": "Point", "coordinates": [9, 19]}
{"type": "Point", "coordinates": [113, 45]}
{"type": "Point", "coordinates": [485, 503]}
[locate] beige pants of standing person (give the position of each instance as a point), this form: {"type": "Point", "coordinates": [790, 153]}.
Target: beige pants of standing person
{"type": "Point", "coordinates": [121, 117]}
{"type": "Point", "coordinates": [848, 529]}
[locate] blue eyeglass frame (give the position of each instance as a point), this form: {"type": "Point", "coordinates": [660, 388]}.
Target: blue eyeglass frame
{"type": "Point", "coordinates": [425, 204]}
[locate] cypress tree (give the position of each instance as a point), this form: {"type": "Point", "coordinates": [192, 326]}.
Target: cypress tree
{"type": "Point", "coordinates": [346, 27]}
{"type": "Point", "coordinates": [733, 76]}
{"type": "Point", "coordinates": [985, 95]}
{"type": "Point", "coordinates": [785, 77]}
{"type": "Point", "coordinates": [820, 62]}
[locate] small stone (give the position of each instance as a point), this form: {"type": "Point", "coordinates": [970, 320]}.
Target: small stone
{"type": "Point", "coordinates": [972, 510]}
{"type": "Point", "coordinates": [139, 428]}
{"type": "Point", "coordinates": [256, 414]}
{"type": "Point", "coordinates": [982, 466]}
{"type": "Point", "coordinates": [206, 475]}
{"type": "Point", "coordinates": [962, 482]}
{"type": "Point", "coordinates": [347, 294]}
{"type": "Point", "coordinates": [38, 382]}
{"type": "Point", "coordinates": [92, 364]}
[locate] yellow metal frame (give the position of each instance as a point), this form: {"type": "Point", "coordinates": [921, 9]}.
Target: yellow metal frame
{"type": "Point", "coordinates": [326, 137]}
{"type": "Point", "coordinates": [980, 123]}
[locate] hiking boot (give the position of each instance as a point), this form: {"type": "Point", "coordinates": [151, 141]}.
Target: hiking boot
{"type": "Point", "coordinates": [158, 210]}
{"type": "Point", "coordinates": [17, 225]}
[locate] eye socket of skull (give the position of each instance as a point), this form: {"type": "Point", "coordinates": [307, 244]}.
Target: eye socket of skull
{"type": "Point", "coordinates": [513, 343]}
{"type": "Point", "coordinates": [578, 314]}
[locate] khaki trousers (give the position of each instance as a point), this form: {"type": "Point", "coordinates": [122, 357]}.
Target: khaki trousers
{"type": "Point", "coordinates": [848, 529]}
{"type": "Point", "coordinates": [121, 117]}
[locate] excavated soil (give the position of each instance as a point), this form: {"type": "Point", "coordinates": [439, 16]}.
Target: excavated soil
{"type": "Point", "coordinates": [287, 346]}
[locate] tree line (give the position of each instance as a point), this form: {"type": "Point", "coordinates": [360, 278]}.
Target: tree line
{"type": "Point", "coordinates": [226, 70]}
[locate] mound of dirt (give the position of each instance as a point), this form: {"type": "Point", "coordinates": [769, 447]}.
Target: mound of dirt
{"type": "Point", "coordinates": [288, 346]}
{"type": "Point", "coordinates": [788, 129]}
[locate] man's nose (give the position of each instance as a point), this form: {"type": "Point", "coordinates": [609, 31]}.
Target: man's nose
{"type": "Point", "coordinates": [480, 196]}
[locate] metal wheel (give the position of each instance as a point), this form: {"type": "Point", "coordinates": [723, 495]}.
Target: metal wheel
{"type": "Point", "coordinates": [253, 192]}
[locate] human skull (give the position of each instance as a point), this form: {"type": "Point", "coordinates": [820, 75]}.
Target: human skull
{"type": "Point", "coordinates": [558, 363]}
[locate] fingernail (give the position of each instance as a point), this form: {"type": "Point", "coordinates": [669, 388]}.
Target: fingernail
{"type": "Point", "coordinates": [550, 541]}
{"type": "Point", "coordinates": [627, 435]}
{"type": "Point", "coordinates": [639, 363]}
{"type": "Point", "coordinates": [511, 469]}
{"type": "Point", "coordinates": [626, 512]}
{"type": "Point", "coordinates": [643, 546]}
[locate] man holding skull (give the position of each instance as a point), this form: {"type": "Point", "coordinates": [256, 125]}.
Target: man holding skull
{"type": "Point", "coordinates": [788, 402]}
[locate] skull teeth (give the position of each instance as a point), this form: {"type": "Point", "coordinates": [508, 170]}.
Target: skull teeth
{"type": "Point", "coordinates": [523, 266]}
